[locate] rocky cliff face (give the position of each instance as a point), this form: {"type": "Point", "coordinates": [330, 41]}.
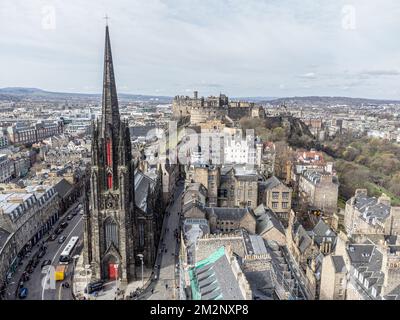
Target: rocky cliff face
{"type": "Point", "coordinates": [298, 132]}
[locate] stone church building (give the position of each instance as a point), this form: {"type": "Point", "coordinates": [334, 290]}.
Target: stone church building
{"type": "Point", "coordinates": [116, 230]}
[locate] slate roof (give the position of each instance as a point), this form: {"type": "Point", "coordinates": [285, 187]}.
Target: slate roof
{"type": "Point", "coordinates": [393, 295]}
{"type": "Point", "coordinates": [323, 233]}
{"type": "Point", "coordinates": [272, 182]}
{"type": "Point", "coordinates": [367, 260]}
{"type": "Point", "coordinates": [143, 184]}
{"type": "Point", "coordinates": [228, 213]}
{"type": "Point", "coordinates": [339, 264]}
{"type": "Point", "coordinates": [141, 131]}
{"type": "Point", "coordinates": [305, 240]}
{"type": "Point", "coordinates": [370, 208]}
{"type": "Point", "coordinates": [213, 279]}
{"type": "Point", "coordinates": [63, 187]}
{"type": "Point", "coordinates": [266, 220]}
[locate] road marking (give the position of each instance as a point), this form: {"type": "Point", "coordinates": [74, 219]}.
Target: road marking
{"type": "Point", "coordinates": [52, 261]}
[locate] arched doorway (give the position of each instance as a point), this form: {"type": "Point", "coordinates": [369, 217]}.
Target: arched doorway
{"type": "Point", "coordinates": [111, 267]}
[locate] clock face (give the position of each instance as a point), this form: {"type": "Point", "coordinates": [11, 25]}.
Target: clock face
{"type": "Point", "coordinates": [111, 201]}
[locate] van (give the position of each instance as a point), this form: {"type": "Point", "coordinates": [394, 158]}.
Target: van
{"type": "Point", "coordinates": [94, 286]}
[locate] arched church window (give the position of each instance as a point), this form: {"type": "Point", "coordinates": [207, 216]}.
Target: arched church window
{"type": "Point", "coordinates": [141, 234]}
{"type": "Point", "coordinates": [111, 233]}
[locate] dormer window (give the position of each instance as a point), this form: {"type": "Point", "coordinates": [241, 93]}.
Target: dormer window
{"type": "Point", "coordinates": [373, 292]}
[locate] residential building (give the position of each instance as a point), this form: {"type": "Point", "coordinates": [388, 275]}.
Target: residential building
{"type": "Point", "coordinates": [370, 215]}
{"type": "Point", "coordinates": [277, 197]}
{"type": "Point", "coordinates": [319, 190]}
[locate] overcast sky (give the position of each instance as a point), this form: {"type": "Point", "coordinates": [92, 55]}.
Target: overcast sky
{"type": "Point", "coordinates": [239, 47]}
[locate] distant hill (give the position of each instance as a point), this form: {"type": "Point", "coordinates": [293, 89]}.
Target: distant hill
{"type": "Point", "coordinates": [18, 94]}
{"type": "Point", "coordinates": [35, 94]}
{"type": "Point", "coordinates": [314, 100]}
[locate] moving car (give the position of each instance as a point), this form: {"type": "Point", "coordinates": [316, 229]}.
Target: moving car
{"type": "Point", "coordinates": [53, 237]}
{"type": "Point", "coordinates": [46, 263]}
{"type": "Point", "coordinates": [35, 264]}
{"type": "Point", "coordinates": [64, 225]}
{"type": "Point", "coordinates": [23, 293]}
{"type": "Point", "coordinates": [62, 239]}
{"type": "Point", "coordinates": [70, 217]}
{"type": "Point", "coordinates": [42, 252]}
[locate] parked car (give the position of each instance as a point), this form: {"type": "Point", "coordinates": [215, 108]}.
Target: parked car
{"type": "Point", "coordinates": [62, 239]}
{"type": "Point", "coordinates": [41, 253]}
{"type": "Point", "coordinates": [35, 264]}
{"type": "Point", "coordinates": [23, 293]}
{"type": "Point", "coordinates": [46, 263]}
{"type": "Point", "coordinates": [58, 231]}
{"type": "Point", "coordinates": [64, 225]}
{"type": "Point", "coordinates": [70, 217]}
{"type": "Point", "coordinates": [53, 237]}
{"type": "Point", "coordinates": [74, 213]}
{"type": "Point", "coordinates": [81, 212]}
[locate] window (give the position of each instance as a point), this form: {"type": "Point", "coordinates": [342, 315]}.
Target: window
{"type": "Point", "coordinates": [284, 205]}
{"type": "Point", "coordinates": [275, 195]}
{"type": "Point", "coordinates": [285, 195]}
{"type": "Point", "coordinates": [274, 205]}
{"type": "Point", "coordinates": [249, 203]}
{"type": "Point", "coordinates": [111, 233]}
{"type": "Point", "coordinates": [250, 193]}
{"type": "Point", "coordinates": [141, 234]}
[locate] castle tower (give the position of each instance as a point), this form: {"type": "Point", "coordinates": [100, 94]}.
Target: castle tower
{"type": "Point", "coordinates": [109, 240]}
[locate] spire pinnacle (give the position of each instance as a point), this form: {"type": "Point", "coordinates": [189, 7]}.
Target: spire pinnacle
{"type": "Point", "coordinates": [110, 111]}
{"type": "Point", "coordinates": [106, 17]}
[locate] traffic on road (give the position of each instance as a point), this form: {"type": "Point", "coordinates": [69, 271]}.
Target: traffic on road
{"type": "Point", "coordinates": [48, 269]}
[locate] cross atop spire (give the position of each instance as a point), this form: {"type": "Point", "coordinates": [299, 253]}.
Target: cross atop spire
{"type": "Point", "coordinates": [106, 17]}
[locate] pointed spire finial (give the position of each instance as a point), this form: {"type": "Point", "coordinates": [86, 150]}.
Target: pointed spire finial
{"type": "Point", "coordinates": [106, 17]}
{"type": "Point", "coordinates": [110, 112]}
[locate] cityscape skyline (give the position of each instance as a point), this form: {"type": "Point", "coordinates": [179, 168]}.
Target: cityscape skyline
{"type": "Point", "coordinates": [240, 48]}
{"type": "Point", "coordinates": [208, 188]}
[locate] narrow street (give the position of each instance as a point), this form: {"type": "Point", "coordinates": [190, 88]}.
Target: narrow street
{"type": "Point", "coordinates": [164, 287]}
{"type": "Point", "coordinates": [36, 291]}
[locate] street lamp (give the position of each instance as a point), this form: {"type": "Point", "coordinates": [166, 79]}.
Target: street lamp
{"type": "Point", "coordinates": [116, 278]}
{"type": "Point", "coordinates": [141, 260]}
{"type": "Point", "coordinates": [87, 267]}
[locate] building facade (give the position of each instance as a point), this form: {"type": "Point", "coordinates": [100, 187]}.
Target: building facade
{"type": "Point", "coordinates": [116, 233]}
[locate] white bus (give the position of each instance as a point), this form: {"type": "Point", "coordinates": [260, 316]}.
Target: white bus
{"type": "Point", "coordinates": [65, 256]}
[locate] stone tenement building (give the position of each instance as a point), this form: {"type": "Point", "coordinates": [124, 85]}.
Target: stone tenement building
{"type": "Point", "coordinates": [203, 109]}
{"type": "Point", "coordinates": [116, 231]}
{"type": "Point", "coordinates": [371, 216]}
{"type": "Point", "coordinates": [319, 190]}
{"type": "Point", "coordinates": [25, 217]}
{"type": "Point", "coordinates": [22, 133]}
{"type": "Point", "coordinates": [277, 197]}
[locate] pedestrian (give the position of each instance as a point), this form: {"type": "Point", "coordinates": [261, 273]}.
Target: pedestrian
{"type": "Point", "coordinates": [152, 291]}
{"type": "Point", "coordinates": [166, 286]}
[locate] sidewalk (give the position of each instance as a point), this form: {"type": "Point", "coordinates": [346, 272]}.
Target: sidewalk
{"type": "Point", "coordinates": [109, 292]}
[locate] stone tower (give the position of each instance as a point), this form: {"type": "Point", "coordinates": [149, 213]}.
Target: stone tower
{"type": "Point", "coordinates": [109, 237]}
